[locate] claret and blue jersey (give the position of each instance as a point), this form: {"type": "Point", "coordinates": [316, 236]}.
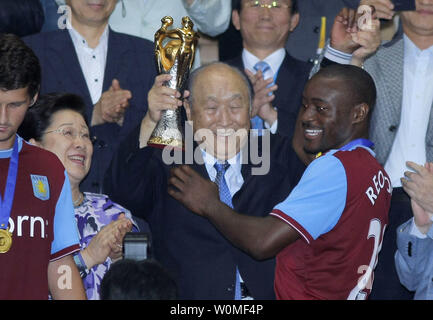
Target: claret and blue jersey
{"type": "Point", "coordinates": [340, 209]}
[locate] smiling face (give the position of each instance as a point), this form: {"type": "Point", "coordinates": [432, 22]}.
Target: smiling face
{"type": "Point", "coordinates": [264, 28]}
{"type": "Point", "coordinates": [74, 151]}
{"type": "Point", "coordinates": [91, 12]}
{"type": "Point", "coordinates": [220, 110]}
{"type": "Point", "coordinates": [326, 115]}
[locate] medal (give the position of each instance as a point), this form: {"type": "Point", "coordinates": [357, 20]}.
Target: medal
{"type": "Point", "coordinates": [5, 240]}
{"type": "Point", "coordinates": [7, 200]}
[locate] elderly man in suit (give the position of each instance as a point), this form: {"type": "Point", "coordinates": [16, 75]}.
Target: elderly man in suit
{"type": "Point", "coordinates": [204, 264]}
{"type": "Point", "coordinates": [278, 78]}
{"type": "Point", "coordinates": [112, 72]}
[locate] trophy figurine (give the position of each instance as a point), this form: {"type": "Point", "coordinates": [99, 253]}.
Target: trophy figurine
{"type": "Point", "coordinates": [174, 53]}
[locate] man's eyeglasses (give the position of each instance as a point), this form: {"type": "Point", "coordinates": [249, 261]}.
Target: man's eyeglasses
{"type": "Point", "coordinates": [71, 133]}
{"type": "Point", "coordinates": [272, 5]}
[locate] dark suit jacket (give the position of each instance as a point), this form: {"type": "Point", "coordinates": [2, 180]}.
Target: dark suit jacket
{"type": "Point", "coordinates": [291, 79]}
{"type": "Point", "coordinates": [200, 259]}
{"type": "Point", "coordinates": [129, 59]}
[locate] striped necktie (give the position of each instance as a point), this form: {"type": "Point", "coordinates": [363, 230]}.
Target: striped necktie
{"type": "Point", "coordinates": [226, 197]}
{"type": "Point", "coordinates": [257, 122]}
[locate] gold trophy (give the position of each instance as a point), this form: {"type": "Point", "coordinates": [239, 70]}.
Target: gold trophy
{"type": "Point", "coordinates": [174, 53]}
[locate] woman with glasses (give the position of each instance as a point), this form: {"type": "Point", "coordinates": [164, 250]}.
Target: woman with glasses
{"type": "Point", "coordinates": [56, 123]}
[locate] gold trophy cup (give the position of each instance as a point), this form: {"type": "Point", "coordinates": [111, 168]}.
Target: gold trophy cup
{"type": "Point", "coordinates": [174, 53]}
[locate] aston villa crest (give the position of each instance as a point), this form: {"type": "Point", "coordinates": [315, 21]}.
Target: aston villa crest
{"type": "Point", "coordinates": [41, 189]}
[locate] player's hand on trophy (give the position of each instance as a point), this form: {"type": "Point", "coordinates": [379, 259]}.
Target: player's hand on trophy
{"type": "Point", "coordinates": [162, 98]}
{"type": "Point", "coordinates": [384, 8]}
{"type": "Point", "coordinates": [112, 105]}
{"type": "Point", "coordinates": [263, 97]}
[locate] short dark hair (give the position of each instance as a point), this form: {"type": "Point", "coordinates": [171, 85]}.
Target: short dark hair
{"type": "Point", "coordinates": [237, 5]}
{"type": "Point", "coordinates": [137, 280]}
{"type": "Point", "coordinates": [39, 117]}
{"type": "Point", "coordinates": [19, 66]}
{"type": "Point", "coordinates": [21, 17]}
{"type": "Point", "coordinates": [358, 82]}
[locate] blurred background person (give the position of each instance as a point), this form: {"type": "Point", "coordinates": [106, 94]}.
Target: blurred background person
{"type": "Point", "coordinates": [142, 18]}
{"type": "Point", "coordinates": [111, 71]}
{"type": "Point", "coordinates": [414, 257]}
{"type": "Point", "coordinates": [56, 123]}
{"type": "Point", "coordinates": [22, 18]}
{"type": "Point", "coordinates": [138, 280]}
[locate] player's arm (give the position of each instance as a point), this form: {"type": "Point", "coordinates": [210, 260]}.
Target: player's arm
{"type": "Point", "coordinates": [64, 281]}
{"type": "Point", "coordinates": [260, 237]}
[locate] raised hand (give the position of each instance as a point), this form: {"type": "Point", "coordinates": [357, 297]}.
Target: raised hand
{"type": "Point", "coordinates": [162, 98]}
{"type": "Point", "coordinates": [263, 96]}
{"type": "Point", "coordinates": [384, 8]}
{"type": "Point", "coordinates": [422, 218]}
{"type": "Point", "coordinates": [419, 184]}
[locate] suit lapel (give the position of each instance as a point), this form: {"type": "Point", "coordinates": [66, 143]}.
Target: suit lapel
{"type": "Point", "coordinates": [115, 58]}
{"type": "Point", "coordinates": [63, 50]}
{"type": "Point", "coordinates": [285, 79]}
{"type": "Point", "coordinates": [391, 59]}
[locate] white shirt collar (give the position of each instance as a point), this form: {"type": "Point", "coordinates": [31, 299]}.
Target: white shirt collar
{"type": "Point", "coordinates": [412, 51]}
{"type": "Point", "coordinates": [274, 60]}
{"type": "Point", "coordinates": [79, 40]}
{"type": "Point", "coordinates": [209, 161]}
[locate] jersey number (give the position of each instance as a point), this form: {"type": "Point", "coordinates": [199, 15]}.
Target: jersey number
{"type": "Point", "coordinates": [365, 281]}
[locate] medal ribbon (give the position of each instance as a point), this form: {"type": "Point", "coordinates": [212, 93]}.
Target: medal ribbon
{"type": "Point", "coordinates": [6, 203]}
{"type": "Point", "coordinates": [358, 142]}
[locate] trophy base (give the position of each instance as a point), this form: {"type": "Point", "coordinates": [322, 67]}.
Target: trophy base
{"type": "Point", "coordinates": [160, 143]}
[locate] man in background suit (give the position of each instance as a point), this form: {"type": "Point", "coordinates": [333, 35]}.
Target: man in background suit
{"type": "Point", "coordinates": [203, 263]}
{"type": "Point", "coordinates": [304, 40]}
{"type": "Point", "coordinates": [402, 124]}
{"type": "Point", "coordinates": [112, 72]}
{"type": "Point", "coordinates": [278, 78]}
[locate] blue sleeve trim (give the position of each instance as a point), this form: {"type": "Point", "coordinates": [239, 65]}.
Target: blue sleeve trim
{"type": "Point", "coordinates": [319, 199]}
{"type": "Point", "coordinates": [65, 227]}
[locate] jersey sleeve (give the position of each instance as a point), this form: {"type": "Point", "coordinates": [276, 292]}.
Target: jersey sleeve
{"type": "Point", "coordinates": [66, 240]}
{"type": "Point", "coordinates": [315, 205]}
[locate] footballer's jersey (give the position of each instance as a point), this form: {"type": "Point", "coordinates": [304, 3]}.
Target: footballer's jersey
{"type": "Point", "coordinates": [340, 209]}
{"type": "Point", "coordinates": [41, 222]}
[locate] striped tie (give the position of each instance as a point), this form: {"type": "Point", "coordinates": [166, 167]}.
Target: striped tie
{"type": "Point", "coordinates": [257, 122]}
{"type": "Point", "coordinates": [226, 197]}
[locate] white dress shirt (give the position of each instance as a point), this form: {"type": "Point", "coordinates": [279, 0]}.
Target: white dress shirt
{"type": "Point", "coordinates": [409, 144]}
{"type": "Point", "coordinates": [274, 60]}
{"type": "Point", "coordinates": [142, 18]}
{"type": "Point", "coordinates": [92, 61]}
{"type": "Point", "coordinates": [233, 174]}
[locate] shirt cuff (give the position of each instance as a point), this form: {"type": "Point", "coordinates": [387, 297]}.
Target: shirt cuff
{"type": "Point", "coordinates": [337, 56]}
{"type": "Point", "coordinates": [414, 231]}
{"type": "Point", "coordinates": [272, 128]}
